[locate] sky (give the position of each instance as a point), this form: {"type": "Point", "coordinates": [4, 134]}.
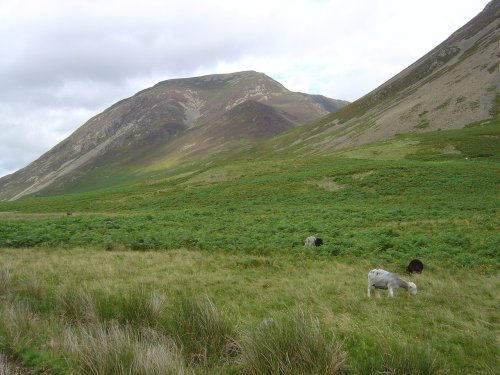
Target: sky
{"type": "Point", "coordinates": [64, 61]}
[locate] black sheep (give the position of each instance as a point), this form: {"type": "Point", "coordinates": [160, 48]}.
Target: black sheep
{"type": "Point", "coordinates": [318, 242]}
{"type": "Point", "coordinates": [415, 266]}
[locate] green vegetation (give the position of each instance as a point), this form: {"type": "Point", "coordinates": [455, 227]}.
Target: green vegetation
{"type": "Point", "coordinates": [201, 269]}
{"type": "Point", "coordinates": [445, 104]}
{"type": "Point", "coordinates": [422, 124]}
{"type": "Point", "coordinates": [434, 200]}
{"type": "Point", "coordinates": [205, 313]}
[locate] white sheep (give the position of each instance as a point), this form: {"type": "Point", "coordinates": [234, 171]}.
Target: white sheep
{"type": "Point", "coordinates": [311, 240]}
{"type": "Point", "coordinates": [381, 279]}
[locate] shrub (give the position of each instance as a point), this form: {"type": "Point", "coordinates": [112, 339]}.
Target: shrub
{"type": "Point", "coordinates": [294, 345]}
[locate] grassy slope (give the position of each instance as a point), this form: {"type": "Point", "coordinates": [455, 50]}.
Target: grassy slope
{"type": "Point", "coordinates": [433, 195]}
{"type": "Point", "coordinates": [417, 195]}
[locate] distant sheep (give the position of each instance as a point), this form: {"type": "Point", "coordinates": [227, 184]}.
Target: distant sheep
{"type": "Point", "coordinates": [415, 266]}
{"type": "Point", "coordinates": [266, 322]}
{"type": "Point", "coordinates": [312, 240]}
{"type": "Point", "coordinates": [381, 279]}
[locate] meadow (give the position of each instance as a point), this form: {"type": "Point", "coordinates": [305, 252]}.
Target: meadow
{"type": "Point", "coordinates": [202, 268]}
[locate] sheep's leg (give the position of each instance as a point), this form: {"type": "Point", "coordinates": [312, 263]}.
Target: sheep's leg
{"type": "Point", "coordinates": [377, 292]}
{"type": "Point", "coordinates": [369, 290]}
{"type": "Point", "coordinates": [391, 292]}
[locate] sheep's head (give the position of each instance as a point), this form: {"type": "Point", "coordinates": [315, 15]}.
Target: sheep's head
{"type": "Point", "coordinates": [412, 288]}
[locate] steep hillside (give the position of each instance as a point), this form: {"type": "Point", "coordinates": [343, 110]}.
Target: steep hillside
{"type": "Point", "coordinates": [248, 121]}
{"type": "Point", "coordinates": [454, 84]}
{"type": "Point", "coordinates": [141, 129]}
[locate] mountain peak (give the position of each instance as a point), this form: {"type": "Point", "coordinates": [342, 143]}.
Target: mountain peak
{"type": "Point", "coordinates": [170, 121]}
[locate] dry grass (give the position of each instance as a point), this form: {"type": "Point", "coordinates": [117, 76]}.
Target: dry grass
{"type": "Point", "coordinates": [5, 280]}
{"type": "Point", "coordinates": [116, 350]}
{"type": "Point", "coordinates": [292, 345]}
{"type": "Point", "coordinates": [6, 368]}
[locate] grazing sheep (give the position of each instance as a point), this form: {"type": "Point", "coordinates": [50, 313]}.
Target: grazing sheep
{"type": "Point", "coordinates": [381, 279]}
{"type": "Point", "coordinates": [311, 240]}
{"type": "Point", "coordinates": [266, 322]}
{"type": "Point", "coordinates": [415, 266]}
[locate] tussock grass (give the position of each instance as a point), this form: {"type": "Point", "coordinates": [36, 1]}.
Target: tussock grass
{"type": "Point", "coordinates": [411, 359]}
{"type": "Point", "coordinates": [76, 305]}
{"type": "Point", "coordinates": [33, 288]}
{"type": "Point", "coordinates": [5, 280]}
{"type": "Point", "coordinates": [18, 325]}
{"type": "Point", "coordinates": [294, 345]}
{"type": "Point", "coordinates": [102, 349]}
{"type": "Point", "coordinates": [137, 307]}
{"type": "Point", "coordinates": [395, 353]}
{"type": "Point", "coordinates": [203, 332]}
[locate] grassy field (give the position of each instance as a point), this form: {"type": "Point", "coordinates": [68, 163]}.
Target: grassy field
{"type": "Point", "coordinates": [451, 326]}
{"type": "Point", "coordinates": [202, 268]}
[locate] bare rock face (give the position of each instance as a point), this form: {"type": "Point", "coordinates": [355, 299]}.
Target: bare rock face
{"type": "Point", "coordinates": [169, 117]}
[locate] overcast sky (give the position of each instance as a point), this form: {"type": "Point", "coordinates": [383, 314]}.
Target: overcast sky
{"type": "Point", "coordinates": [63, 61]}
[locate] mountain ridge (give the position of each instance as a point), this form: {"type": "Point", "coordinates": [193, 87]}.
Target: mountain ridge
{"type": "Point", "coordinates": [159, 115]}
{"type": "Point", "coordinates": [189, 119]}
{"type": "Point", "coordinates": [456, 83]}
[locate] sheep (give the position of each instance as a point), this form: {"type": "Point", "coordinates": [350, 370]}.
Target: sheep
{"type": "Point", "coordinates": [313, 240]}
{"type": "Point", "coordinates": [381, 279]}
{"type": "Point", "coordinates": [414, 266]}
{"type": "Point", "coordinates": [266, 322]}
{"type": "Point", "coordinates": [310, 241]}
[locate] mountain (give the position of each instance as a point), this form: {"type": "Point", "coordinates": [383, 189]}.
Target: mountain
{"type": "Point", "coordinates": [202, 118]}
{"type": "Point", "coordinates": [169, 122]}
{"type": "Point", "coordinates": [455, 84]}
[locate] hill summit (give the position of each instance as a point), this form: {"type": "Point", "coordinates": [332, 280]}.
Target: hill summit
{"type": "Point", "coordinates": [174, 120]}
{"type": "Point", "coordinates": [202, 118]}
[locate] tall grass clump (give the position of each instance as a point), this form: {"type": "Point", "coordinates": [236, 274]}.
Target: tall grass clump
{"type": "Point", "coordinates": [17, 326]}
{"type": "Point", "coordinates": [201, 330]}
{"type": "Point", "coordinates": [33, 288]}
{"type": "Point", "coordinates": [137, 307]}
{"type": "Point", "coordinates": [411, 359]}
{"type": "Point", "coordinates": [102, 349]}
{"type": "Point", "coordinates": [5, 280]}
{"type": "Point", "coordinates": [76, 305]}
{"type": "Point", "coordinates": [295, 345]}
{"type": "Point", "coordinates": [395, 354]}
